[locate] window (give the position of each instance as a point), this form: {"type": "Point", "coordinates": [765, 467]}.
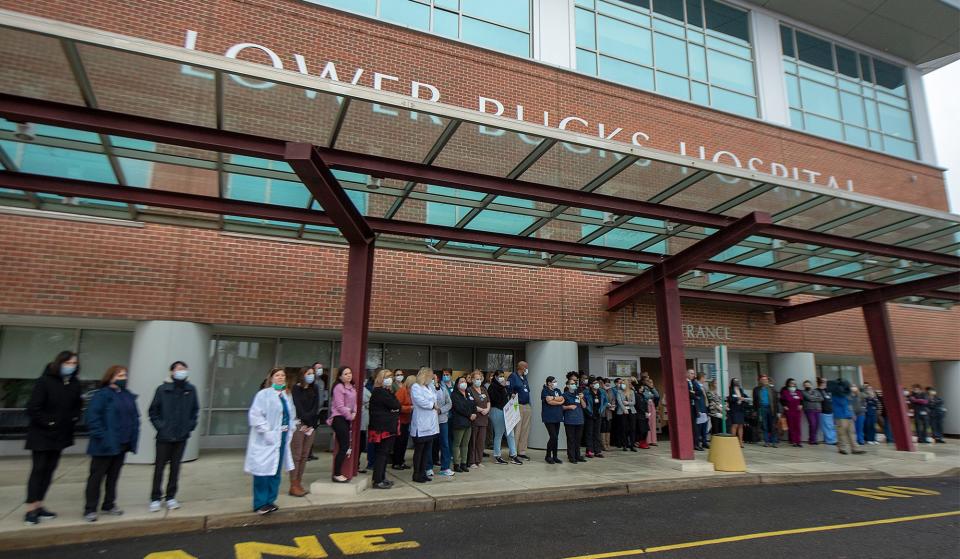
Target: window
{"type": "Point", "coordinates": [502, 25]}
{"type": "Point", "coordinates": [407, 357]}
{"type": "Point", "coordinates": [495, 360]}
{"type": "Point", "coordinates": [459, 359]}
{"type": "Point", "coordinates": [836, 92]}
{"type": "Point", "coordinates": [850, 373]}
{"type": "Point", "coordinates": [697, 50]}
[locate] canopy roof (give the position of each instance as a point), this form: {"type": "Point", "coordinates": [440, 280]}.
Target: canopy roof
{"type": "Point", "coordinates": [137, 130]}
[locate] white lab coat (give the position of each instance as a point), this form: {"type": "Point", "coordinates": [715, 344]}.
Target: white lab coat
{"type": "Point", "coordinates": [425, 421]}
{"type": "Point", "coordinates": [266, 419]}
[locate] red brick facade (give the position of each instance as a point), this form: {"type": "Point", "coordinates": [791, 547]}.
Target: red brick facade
{"type": "Point", "coordinates": [67, 268]}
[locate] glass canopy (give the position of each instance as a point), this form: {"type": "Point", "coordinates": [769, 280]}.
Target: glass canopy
{"type": "Point", "coordinates": [68, 64]}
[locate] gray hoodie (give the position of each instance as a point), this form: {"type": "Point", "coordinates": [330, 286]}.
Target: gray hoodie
{"type": "Point", "coordinates": [445, 403]}
{"type": "Point", "coordinates": [812, 399]}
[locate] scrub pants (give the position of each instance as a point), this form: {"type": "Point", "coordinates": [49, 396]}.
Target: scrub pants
{"type": "Point", "coordinates": [794, 428]}
{"type": "Point", "coordinates": [461, 445]}
{"type": "Point", "coordinates": [553, 431]}
{"type": "Point", "coordinates": [444, 444]}
{"type": "Point", "coordinates": [266, 488]}
{"type": "Point", "coordinates": [499, 429]}
{"type": "Point", "coordinates": [827, 428]}
{"type": "Point", "coordinates": [573, 441]}
{"type": "Point", "coordinates": [861, 419]}
{"type": "Point", "coordinates": [813, 424]}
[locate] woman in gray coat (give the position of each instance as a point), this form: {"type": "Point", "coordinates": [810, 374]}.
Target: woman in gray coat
{"type": "Point", "coordinates": [811, 408]}
{"type": "Point", "coordinates": [626, 414]}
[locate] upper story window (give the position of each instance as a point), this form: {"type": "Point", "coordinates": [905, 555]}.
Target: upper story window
{"type": "Point", "coordinates": [502, 25]}
{"type": "Point", "coordinates": [698, 50]}
{"type": "Point", "coordinates": [846, 95]}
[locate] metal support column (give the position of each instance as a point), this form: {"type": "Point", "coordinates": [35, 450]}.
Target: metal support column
{"type": "Point", "coordinates": [672, 363]}
{"type": "Point", "coordinates": [885, 358]}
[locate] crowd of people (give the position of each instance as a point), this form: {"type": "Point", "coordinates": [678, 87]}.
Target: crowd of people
{"type": "Point", "coordinates": [451, 421]}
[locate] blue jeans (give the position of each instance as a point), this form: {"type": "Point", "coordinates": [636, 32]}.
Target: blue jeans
{"type": "Point", "coordinates": [445, 457]}
{"type": "Point", "coordinates": [861, 418]}
{"type": "Point", "coordinates": [499, 429]}
{"type": "Point", "coordinates": [266, 488]}
{"type": "Point", "coordinates": [768, 425]}
{"type": "Point", "coordinates": [827, 428]}
{"type": "Point", "coordinates": [887, 430]}
{"type": "Point", "coordinates": [870, 426]}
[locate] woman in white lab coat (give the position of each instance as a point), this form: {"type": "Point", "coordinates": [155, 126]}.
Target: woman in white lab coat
{"type": "Point", "coordinates": [273, 419]}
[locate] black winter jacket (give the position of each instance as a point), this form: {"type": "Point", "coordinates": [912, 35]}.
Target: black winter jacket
{"type": "Point", "coordinates": [307, 402]}
{"type": "Point", "coordinates": [384, 411]}
{"type": "Point", "coordinates": [174, 411]}
{"type": "Point", "coordinates": [461, 411]}
{"type": "Point", "coordinates": [54, 410]}
{"type": "Point", "coordinates": [498, 395]}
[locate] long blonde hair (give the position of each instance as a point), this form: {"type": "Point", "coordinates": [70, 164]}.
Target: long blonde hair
{"type": "Point", "coordinates": [425, 375]}
{"type": "Point", "coordinates": [381, 374]}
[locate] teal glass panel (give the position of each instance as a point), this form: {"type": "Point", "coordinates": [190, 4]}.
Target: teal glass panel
{"type": "Point", "coordinates": [728, 253]}
{"type": "Point", "coordinates": [889, 75]}
{"type": "Point", "coordinates": [876, 140]}
{"type": "Point", "coordinates": [852, 106]}
{"type": "Point", "coordinates": [446, 24]}
{"type": "Point", "coordinates": [695, 13]}
{"type": "Point", "coordinates": [671, 54]}
{"type": "Point", "coordinates": [495, 37]}
{"type": "Point", "coordinates": [65, 133]}
{"type": "Point", "coordinates": [826, 78]}
{"type": "Point", "coordinates": [796, 119]}
{"type": "Point", "coordinates": [763, 259]}
{"type": "Point", "coordinates": [60, 162]}
{"type": "Point", "coordinates": [744, 283]}
{"type": "Point", "coordinates": [820, 98]}
{"type": "Point", "coordinates": [586, 32]}
{"type": "Point", "coordinates": [624, 41]}
{"type": "Point", "coordinates": [824, 127]}
{"type": "Point", "coordinates": [727, 20]}
{"type": "Point", "coordinates": [266, 191]}
{"type": "Point", "coordinates": [132, 143]}
{"type": "Point", "coordinates": [730, 72]}
{"type": "Point", "coordinates": [899, 147]}
{"type": "Point", "coordinates": [891, 100]}
{"type": "Point", "coordinates": [695, 37]}
{"type": "Point", "coordinates": [672, 9]}
{"type": "Point", "coordinates": [895, 122]}
{"type": "Point", "coordinates": [368, 7]}
{"type": "Point", "coordinates": [698, 62]}
{"type": "Point", "coordinates": [847, 85]}
{"type": "Point", "coordinates": [856, 135]}
{"type": "Point", "coordinates": [445, 214]}
{"type": "Point", "coordinates": [585, 3]}
{"type": "Point", "coordinates": [727, 46]}
{"type": "Point", "coordinates": [452, 5]}
{"type": "Point", "coordinates": [868, 92]}
{"type": "Point", "coordinates": [793, 91]}
{"type": "Point", "coordinates": [814, 50]}
{"type": "Point", "coordinates": [674, 86]}
{"type": "Point", "coordinates": [406, 12]}
{"type": "Point", "coordinates": [700, 93]}
{"type": "Point", "coordinates": [790, 67]}
{"type": "Point", "coordinates": [260, 163]}
{"type": "Point", "coordinates": [586, 62]}
{"type": "Point", "coordinates": [499, 222]}
{"type": "Point", "coordinates": [455, 192]}
{"type": "Point", "coordinates": [626, 73]}
{"type": "Point", "coordinates": [511, 201]}
{"type": "Point", "coordinates": [507, 12]}
{"type": "Point", "coordinates": [873, 121]}
{"type": "Point", "coordinates": [786, 41]}
{"type": "Point", "coordinates": [668, 28]}
{"type": "Point", "coordinates": [136, 171]}
{"type": "Point", "coordinates": [733, 102]}
{"type": "Point", "coordinates": [623, 13]}
{"type": "Point", "coordinates": [847, 62]}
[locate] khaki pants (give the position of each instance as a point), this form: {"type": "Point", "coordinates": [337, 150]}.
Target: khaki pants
{"type": "Point", "coordinates": [846, 439]}
{"type": "Point", "coordinates": [522, 429]}
{"type": "Point", "coordinates": [300, 446]}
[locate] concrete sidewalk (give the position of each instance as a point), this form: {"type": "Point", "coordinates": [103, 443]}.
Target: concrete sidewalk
{"type": "Point", "coordinates": [215, 493]}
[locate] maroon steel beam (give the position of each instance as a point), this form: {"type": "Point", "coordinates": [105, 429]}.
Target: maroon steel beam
{"type": "Point", "coordinates": [885, 358]}
{"type": "Point", "coordinates": [862, 298]}
{"type": "Point", "coordinates": [721, 297]}
{"type": "Point", "coordinates": [316, 176]}
{"type": "Point", "coordinates": [353, 349]}
{"type": "Point", "coordinates": [673, 365]}
{"type": "Point", "coordinates": [687, 259]}
{"type": "Point", "coordinates": [224, 206]}
{"type": "Point", "coordinates": [23, 109]}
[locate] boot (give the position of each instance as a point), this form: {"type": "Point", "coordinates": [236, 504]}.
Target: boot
{"type": "Point", "coordinates": [296, 489]}
{"type": "Point", "coordinates": [605, 441]}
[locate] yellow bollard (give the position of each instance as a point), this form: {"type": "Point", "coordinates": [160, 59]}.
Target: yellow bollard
{"type": "Point", "coordinates": [726, 454]}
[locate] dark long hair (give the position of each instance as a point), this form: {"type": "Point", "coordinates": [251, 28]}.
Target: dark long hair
{"type": "Point", "coordinates": [65, 355]}
{"type": "Point", "coordinates": [732, 386]}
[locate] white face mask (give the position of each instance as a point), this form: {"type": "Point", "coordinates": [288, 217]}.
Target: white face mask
{"type": "Point", "coordinates": [320, 371]}
{"type": "Point", "coordinates": [502, 381]}
{"type": "Point", "coordinates": [399, 379]}
{"type": "Point", "coordinates": [572, 387]}
{"type": "Point", "coordinates": [462, 385]}
{"type": "Point", "coordinates": [309, 378]}
{"type": "Point", "coordinates": [596, 386]}
{"type": "Point", "coordinates": [182, 374]}
{"type": "Point", "coordinates": [387, 382]}
{"type": "Point", "coordinates": [793, 389]}
{"type": "Point", "coordinates": [552, 385]}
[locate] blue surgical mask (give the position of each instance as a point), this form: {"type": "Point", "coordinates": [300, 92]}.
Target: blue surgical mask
{"type": "Point", "coordinates": [572, 388]}
{"type": "Point", "coordinates": [182, 374]}
{"type": "Point", "coordinates": [446, 379]}
{"type": "Point", "coordinates": [309, 378]}
{"type": "Point", "coordinates": [462, 386]}
{"type": "Point", "coordinates": [477, 382]}
{"type": "Point", "coordinates": [67, 370]}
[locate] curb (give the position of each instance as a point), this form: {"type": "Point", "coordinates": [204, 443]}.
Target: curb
{"type": "Point", "coordinates": [67, 535]}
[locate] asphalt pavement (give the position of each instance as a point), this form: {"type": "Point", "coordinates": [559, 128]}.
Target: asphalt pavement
{"type": "Point", "coordinates": [895, 518]}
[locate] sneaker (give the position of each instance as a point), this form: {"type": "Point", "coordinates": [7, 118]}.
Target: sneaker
{"type": "Point", "coordinates": [113, 511]}
{"type": "Point", "coordinates": [155, 506]}
{"type": "Point", "coordinates": [500, 461]}
{"type": "Point", "coordinates": [446, 473]}
{"type": "Point", "coordinates": [382, 485]}
{"type": "Point", "coordinates": [265, 509]}
{"type": "Point", "coordinates": [516, 461]}
{"type": "Point", "coordinates": [474, 466]}
{"type": "Point", "coordinates": [486, 455]}
{"type": "Point", "coordinates": [274, 508]}
{"type": "Point", "coordinates": [311, 457]}
{"type": "Point", "coordinates": [32, 518]}
{"type": "Point", "coordinates": [44, 514]}
{"type": "Point", "coordinates": [173, 504]}
{"type": "Point", "coordinates": [523, 457]}
{"type": "Point", "coordinates": [90, 517]}
{"type": "Point", "coordinates": [430, 473]}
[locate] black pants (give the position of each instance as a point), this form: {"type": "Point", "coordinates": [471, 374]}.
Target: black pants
{"type": "Point", "coordinates": [553, 430]}
{"type": "Point", "coordinates": [573, 441]}
{"type": "Point", "coordinates": [380, 456]}
{"type": "Point", "coordinates": [100, 467]}
{"type": "Point", "coordinates": [435, 452]}
{"type": "Point", "coordinates": [643, 426]}
{"type": "Point", "coordinates": [171, 452]}
{"type": "Point", "coordinates": [41, 474]}
{"type": "Point", "coordinates": [716, 425]}
{"type": "Point", "coordinates": [628, 423]}
{"type": "Point", "coordinates": [592, 428]}
{"type": "Point", "coordinates": [922, 424]}
{"type": "Point", "coordinates": [421, 457]}
{"type": "Point", "coordinates": [341, 428]}
{"type": "Point", "coordinates": [400, 445]}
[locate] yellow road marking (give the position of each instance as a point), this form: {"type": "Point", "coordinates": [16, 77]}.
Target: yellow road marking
{"type": "Point", "coordinates": [759, 535]}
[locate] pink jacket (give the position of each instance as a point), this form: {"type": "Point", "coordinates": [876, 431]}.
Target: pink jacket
{"type": "Point", "coordinates": [343, 403]}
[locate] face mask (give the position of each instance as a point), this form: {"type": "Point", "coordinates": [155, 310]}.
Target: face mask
{"type": "Point", "coordinates": [182, 374]}
{"type": "Point", "coordinates": [399, 379]}
{"type": "Point", "coordinates": [279, 386]}
{"type": "Point", "coordinates": [502, 380]}
{"type": "Point", "coordinates": [446, 378]}
{"type": "Point", "coordinates": [462, 386]}
{"type": "Point", "coordinates": [320, 371]}
{"type": "Point", "coordinates": [620, 386]}
{"type": "Point", "coordinates": [477, 382]}
{"type": "Point", "coordinates": [387, 382]}
{"type": "Point", "coordinates": [595, 386]}
{"type": "Point", "coordinates": [121, 384]}
{"type": "Point", "coordinates": [67, 370]}
{"type": "Point", "coordinates": [933, 393]}
{"type": "Point", "coordinates": [552, 385]}
{"type": "Point", "coordinates": [309, 379]}
{"type": "Point", "coordinates": [793, 389]}
{"type": "Point", "coordinates": [572, 388]}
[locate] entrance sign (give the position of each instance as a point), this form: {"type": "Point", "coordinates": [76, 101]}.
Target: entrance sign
{"type": "Point", "coordinates": [511, 413]}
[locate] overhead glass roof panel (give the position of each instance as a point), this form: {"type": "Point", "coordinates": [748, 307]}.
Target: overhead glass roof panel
{"type": "Point", "coordinates": [34, 66]}
{"type": "Point", "coordinates": [712, 191]}
{"type": "Point", "coordinates": [376, 129]}
{"type": "Point", "coordinates": [869, 223]}
{"type": "Point", "coordinates": [487, 150]}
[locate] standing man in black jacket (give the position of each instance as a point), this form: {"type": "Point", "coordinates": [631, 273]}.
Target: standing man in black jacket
{"type": "Point", "coordinates": [173, 412]}
{"type": "Point", "coordinates": [54, 409]}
